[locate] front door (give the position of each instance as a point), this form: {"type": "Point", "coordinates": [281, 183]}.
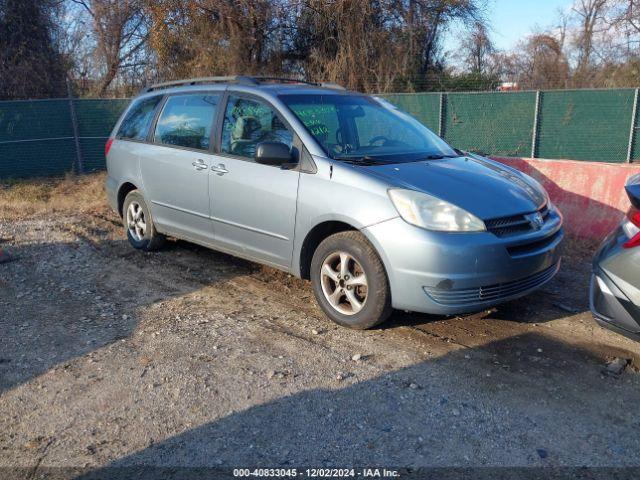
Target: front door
{"type": "Point", "coordinates": [253, 206]}
{"type": "Point", "coordinates": [175, 168]}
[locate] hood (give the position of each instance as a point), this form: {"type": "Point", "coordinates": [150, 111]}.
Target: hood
{"type": "Point", "coordinates": [481, 186]}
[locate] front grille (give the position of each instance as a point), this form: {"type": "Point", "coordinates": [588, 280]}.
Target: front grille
{"type": "Point", "coordinates": [532, 247]}
{"type": "Point", "coordinates": [490, 293]}
{"type": "Point", "coordinates": [505, 226]}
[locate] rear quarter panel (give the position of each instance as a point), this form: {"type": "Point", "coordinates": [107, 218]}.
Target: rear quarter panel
{"type": "Point", "coordinates": [123, 165]}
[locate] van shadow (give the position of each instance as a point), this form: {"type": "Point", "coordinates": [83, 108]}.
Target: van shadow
{"type": "Point", "coordinates": [59, 301]}
{"type": "Point", "coordinates": [522, 401]}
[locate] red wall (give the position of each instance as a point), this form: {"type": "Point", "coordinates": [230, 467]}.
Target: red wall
{"type": "Point", "coordinates": [590, 195]}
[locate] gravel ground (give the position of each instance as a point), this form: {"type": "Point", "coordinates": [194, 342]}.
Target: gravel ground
{"type": "Point", "coordinates": [188, 357]}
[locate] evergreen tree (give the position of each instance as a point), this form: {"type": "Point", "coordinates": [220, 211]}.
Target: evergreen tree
{"type": "Point", "coordinates": [30, 65]}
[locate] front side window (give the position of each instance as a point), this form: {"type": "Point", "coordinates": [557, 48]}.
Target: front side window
{"type": "Point", "coordinates": [137, 122]}
{"type": "Point", "coordinates": [248, 122]}
{"type": "Point", "coordinates": [186, 121]}
{"type": "Point", "coordinates": [352, 127]}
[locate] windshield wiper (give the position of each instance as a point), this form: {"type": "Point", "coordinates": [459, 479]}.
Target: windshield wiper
{"type": "Point", "coordinates": [438, 156]}
{"type": "Point", "coordinates": [366, 160]}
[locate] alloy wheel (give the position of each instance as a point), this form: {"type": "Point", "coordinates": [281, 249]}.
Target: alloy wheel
{"type": "Point", "coordinates": [344, 283]}
{"type": "Point", "coordinates": [136, 223]}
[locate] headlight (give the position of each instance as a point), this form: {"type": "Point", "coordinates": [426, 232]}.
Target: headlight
{"type": "Point", "coordinates": [432, 213]}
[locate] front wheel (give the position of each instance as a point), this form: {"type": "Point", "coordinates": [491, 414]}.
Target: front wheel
{"type": "Point", "coordinates": [350, 282]}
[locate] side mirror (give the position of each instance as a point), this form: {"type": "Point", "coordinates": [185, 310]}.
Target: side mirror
{"type": "Point", "coordinates": [273, 153]}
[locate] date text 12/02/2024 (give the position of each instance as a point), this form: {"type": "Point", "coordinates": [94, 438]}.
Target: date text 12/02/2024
{"type": "Point", "coordinates": [316, 472]}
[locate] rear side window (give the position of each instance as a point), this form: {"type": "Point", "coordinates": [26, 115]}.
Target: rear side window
{"type": "Point", "coordinates": [137, 122]}
{"type": "Point", "coordinates": [186, 121]}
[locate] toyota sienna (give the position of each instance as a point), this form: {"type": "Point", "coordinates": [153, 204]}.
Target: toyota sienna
{"type": "Point", "coordinates": [333, 186]}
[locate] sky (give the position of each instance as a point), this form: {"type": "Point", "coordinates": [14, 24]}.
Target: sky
{"type": "Point", "coordinates": [511, 20]}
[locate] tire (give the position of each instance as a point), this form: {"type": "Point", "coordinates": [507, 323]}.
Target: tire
{"type": "Point", "coordinates": [148, 238]}
{"type": "Point", "coordinates": [335, 295]}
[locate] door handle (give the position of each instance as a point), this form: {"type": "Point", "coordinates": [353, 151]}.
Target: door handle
{"type": "Point", "coordinates": [199, 164]}
{"type": "Point", "coordinates": [219, 169]}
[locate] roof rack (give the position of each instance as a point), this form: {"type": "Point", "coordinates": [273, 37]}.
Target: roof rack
{"type": "Point", "coordinates": [199, 81]}
{"type": "Point", "coordinates": [238, 79]}
{"type": "Point", "coordinates": [266, 79]}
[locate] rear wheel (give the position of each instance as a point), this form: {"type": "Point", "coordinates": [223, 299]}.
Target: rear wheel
{"type": "Point", "coordinates": [141, 231]}
{"type": "Point", "coordinates": [349, 281]}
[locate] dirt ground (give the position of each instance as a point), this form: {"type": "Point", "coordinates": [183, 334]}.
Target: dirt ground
{"type": "Point", "coordinates": [111, 357]}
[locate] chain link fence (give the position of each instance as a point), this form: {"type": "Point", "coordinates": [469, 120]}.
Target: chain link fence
{"type": "Point", "coordinates": [52, 137]}
{"type": "Point", "coordinates": [595, 125]}
{"type": "Point", "coordinates": [587, 125]}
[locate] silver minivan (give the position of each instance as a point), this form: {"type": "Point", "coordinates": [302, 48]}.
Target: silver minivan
{"type": "Point", "coordinates": [333, 186]}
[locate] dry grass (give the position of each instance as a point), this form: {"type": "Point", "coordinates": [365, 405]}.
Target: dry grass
{"type": "Point", "coordinates": [71, 194]}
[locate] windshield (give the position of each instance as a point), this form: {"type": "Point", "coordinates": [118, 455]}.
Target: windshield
{"type": "Point", "coordinates": [361, 128]}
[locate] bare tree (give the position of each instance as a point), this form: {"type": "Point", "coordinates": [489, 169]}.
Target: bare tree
{"type": "Point", "coordinates": [347, 42]}
{"type": "Point", "coordinates": [121, 32]}
{"type": "Point", "coordinates": [76, 42]}
{"type": "Point", "coordinates": [477, 49]}
{"type": "Point", "coordinates": [590, 14]}
{"type": "Point", "coordinates": [198, 37]}
{"type": "Point", "coordinates": [371, 46]}
{"type": "Point", "coordinates": [541, 63]}
{"type": "Point", "coordinates": [425, 22]}
{"type": "Point", "coordinates": [377, 45]}
{"type": "Point", "coordinates": [624, 18]}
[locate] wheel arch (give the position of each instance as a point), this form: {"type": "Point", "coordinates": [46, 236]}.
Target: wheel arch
{"type": "Point", "coordinates": [123, 191]}
{"type": "Point", "coordinates": [314, 237]}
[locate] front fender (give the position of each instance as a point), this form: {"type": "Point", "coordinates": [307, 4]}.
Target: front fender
{"type": "Point", "coordinates": [338, 193]}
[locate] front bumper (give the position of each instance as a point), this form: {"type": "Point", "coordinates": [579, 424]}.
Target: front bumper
{"type": "Point", "coordinates": [451, 273]}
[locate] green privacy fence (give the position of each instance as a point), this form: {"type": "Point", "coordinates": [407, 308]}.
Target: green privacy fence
{"type": "Point", "coordinates": [52, 137]}
{"type": "Point", "coordinates": [589, 125]}
{"type": "Point", "coordinates": [595, 125]}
